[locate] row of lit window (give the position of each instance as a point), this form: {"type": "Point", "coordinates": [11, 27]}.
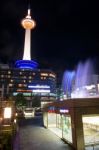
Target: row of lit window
{"type": "Point", "coordinates": [24, 77]}
{"type": "Point", "coordinates": [19, 85]}
{"type": "Point", "coordinates": [12, 80]}
{"type": "Point", "coordinates": [15, 82]}
{"type": "Point", "coordinates": [26, 73]}
{"type": "Point", "coordinates": [42, 74]}
{"type": "Point", "coordinates": [43, 78]}
{"type": "Point", "coordinates": [9, 76]}
{"type": "Point", "coordinates": [21, 81]}
{"type": "Point", "coordinates": [24, 81]}
{"type": "Point", "coordinates": [46, 74]}
{"type": "Point", "coordinates": [9, 72]}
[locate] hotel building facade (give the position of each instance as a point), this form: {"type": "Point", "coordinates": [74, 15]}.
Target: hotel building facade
{"type": "Point", "coordinates": [29, 82]}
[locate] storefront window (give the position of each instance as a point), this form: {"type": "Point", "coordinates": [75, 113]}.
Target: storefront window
{"type": "Point", "coordinates": [91, 129]}
{"type": "Point", "coordinates": [45, 115]}
{"type": "Point", "coordinates": [67, 130]}
{"type": "Point", "coordinates": [51, 119]}
{"type": "Point", "coordinates": [59, 121]}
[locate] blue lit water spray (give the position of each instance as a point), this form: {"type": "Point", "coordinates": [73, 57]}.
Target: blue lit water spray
{"type": "Point", "coordinates": [81, 82]}
{"type": "Point", "coordinates": [67, 82]}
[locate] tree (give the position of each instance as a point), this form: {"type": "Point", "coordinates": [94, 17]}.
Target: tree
{"type": "Point", "coordinates": [36, 102]}
{"type": "Point", "coordinates": [20, 100]}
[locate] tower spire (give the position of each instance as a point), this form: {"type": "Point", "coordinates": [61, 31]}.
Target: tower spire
{"type": "Point", "coordinates": [27, 23]}
{"type": "Point", "coordinates": [29, 12]}
{"type": "Point", "coordinates": [29, 9]}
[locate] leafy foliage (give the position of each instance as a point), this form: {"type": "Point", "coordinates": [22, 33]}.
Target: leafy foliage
{"type": "Point", "coordinates": [36, 102]}
{"type": "Point", "coordinates": [20, 100]}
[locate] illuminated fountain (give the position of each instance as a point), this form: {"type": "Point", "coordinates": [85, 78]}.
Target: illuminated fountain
{"type": "Point", "coordinates": [67, 83]}
{"type": "Point", "coordinates": [80, 83]}
{"type": "Point", "coordinates": [26, 62]}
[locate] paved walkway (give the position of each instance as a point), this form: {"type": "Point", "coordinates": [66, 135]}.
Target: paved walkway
{"type": "Point", "coordinates": [33, 136]}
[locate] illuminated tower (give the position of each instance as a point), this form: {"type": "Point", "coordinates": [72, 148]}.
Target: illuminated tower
{"type": "Point", "coordinates": [28, 24]}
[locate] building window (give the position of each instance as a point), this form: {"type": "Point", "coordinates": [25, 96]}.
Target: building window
{"type": "Point", "coordinates": [44, 74]}
{"type": "Point", "coordinates": [24, 77]}
{"type": "Point", "coordinates": [10, 85]}
{"type": "Point", "coordinates": [11, 80]}
{"type": "Point", "coordinates": [43, 78]}
{"type": "Point", "coordinates": [25, 85]}
{"type": "Point", "coordinates": [30, 77]}
{"type": "Point", "coordinates": [9, 76]}
{"type": "Point", "coordinates": [2, 76]}
{"type": "Point", "coordinates": [9, 72]}
{"type": "Point", "coordinates": [19, 85]}
{"type": "Point", "coordinates": [52, 75]}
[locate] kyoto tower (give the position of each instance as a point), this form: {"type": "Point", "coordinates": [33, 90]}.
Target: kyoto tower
{"type": "Point", "coordinates": [26, 63]}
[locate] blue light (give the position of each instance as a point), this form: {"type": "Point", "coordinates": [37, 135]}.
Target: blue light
{"type": "Point", "coordinates": [26, 64]}
{"type": "Point", "coordinates": [67, 82]}
{"type": "Point", "coordinates": [39, 86]}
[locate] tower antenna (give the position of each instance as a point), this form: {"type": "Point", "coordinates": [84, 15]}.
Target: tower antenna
{"type": "Point", "coordinates": [29, 9]}
{"type": "Point", "coordinates": [29, 4]}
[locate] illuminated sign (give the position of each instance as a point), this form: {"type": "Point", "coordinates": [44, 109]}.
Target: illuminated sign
{"type": "Point", "coordinates": [51, 109]}
{"type": "Point", "coordinates": [64, 111]}
{"type": "Point", "coordinates": [39, 91]}
{"type": "Point", "coordinates": [7, 112]}
{"type": "Point", "coordinates": [24, 90]}
{"type": "Point", "coordinates": [39, 86]}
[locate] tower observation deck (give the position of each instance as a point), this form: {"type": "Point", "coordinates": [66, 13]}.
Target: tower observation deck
{"type": "Point", "coordinates": [26, 63]}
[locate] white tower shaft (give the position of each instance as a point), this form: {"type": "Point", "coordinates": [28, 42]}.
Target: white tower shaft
{"type": "Point", "coordinates": [27, 45]}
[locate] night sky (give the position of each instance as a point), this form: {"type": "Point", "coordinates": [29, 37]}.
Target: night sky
{"type": "Point", "coordinates": [67, 32]}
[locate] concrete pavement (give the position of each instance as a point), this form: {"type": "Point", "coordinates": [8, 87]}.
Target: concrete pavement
{"type": "Point", "coordinates": [33, 136]}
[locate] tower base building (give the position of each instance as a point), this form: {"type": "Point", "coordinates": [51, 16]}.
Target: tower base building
{"type": "Point", "coordinates": [29, 82]}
